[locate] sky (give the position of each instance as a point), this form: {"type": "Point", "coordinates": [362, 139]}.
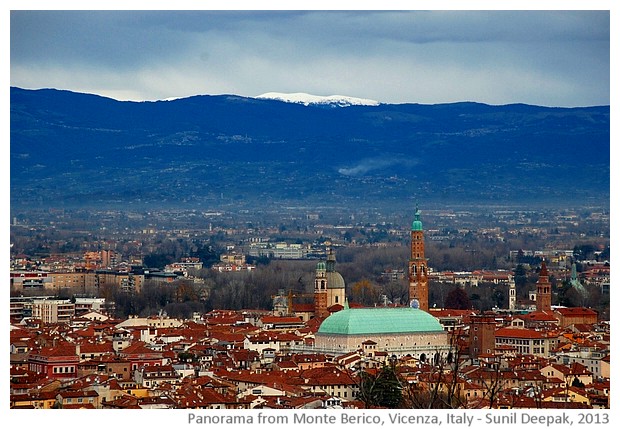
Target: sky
{"type": "Point", "coordinates": [542, 57]}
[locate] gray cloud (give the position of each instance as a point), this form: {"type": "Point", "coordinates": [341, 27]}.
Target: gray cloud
{"type": "Point", "coordinates": [539, 57]}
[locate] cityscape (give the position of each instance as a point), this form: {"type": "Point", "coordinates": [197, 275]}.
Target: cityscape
{"type": "Point", "coordinates": [310, 217]}
{"type": "Point", "coordinates": [315, 312]}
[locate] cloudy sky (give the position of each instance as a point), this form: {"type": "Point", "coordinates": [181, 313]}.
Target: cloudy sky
{"type": "Point", "coordinates": [551, 58]}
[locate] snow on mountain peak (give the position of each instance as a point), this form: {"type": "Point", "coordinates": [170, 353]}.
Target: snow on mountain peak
{"type": "Point", "coordinates": [307, 99]}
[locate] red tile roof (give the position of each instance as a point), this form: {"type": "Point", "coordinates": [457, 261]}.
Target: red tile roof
{"type": "Point", "coordinates": [280, 320]}
{"type": "Point", "coordinates": [576, 311]}
{"type": "Point", "coordinates": [520, 333]}
{"type": "Point", "coordinates": [63, 350]}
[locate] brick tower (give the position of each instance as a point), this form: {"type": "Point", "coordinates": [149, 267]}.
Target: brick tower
{"type": "Point", "coordinates": [543, 290]}
{"type": "Point", "coordinates": [481, 335]}
{"type": "Point", "coordinates": [418, 276]}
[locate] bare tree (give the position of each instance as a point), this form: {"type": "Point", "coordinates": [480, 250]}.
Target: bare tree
{"type": "Point", "coordinates": [396, 292]}
{"type": "Point", "coordinates": [364, 292]}
{"type": "Point", "coordinates": [493, 380]}
{"type": "Point", "coordinates": [438, 385]}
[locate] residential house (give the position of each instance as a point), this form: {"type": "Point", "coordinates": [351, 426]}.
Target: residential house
{"type": "Point", "coordinates": [78, 399]}
{"type": "Point", "coordinates": [563, 395]}
{"type": "Point", "coordinates": [330, 380]}
{"type": "Point", "coordinates": [34, 399]}
{"type": "Point", "coordinates": [59, 361]}
{"type": "Point", "coordinates": [153, 376]}
{"type": "Point", "coordinates": [573, 374]}
{"type": "Point", "coordinates": [140, 356]}
{"type": "Point", "coordinates": [575, 315]}
{"type": "Point", "coordinates": [526, 341]}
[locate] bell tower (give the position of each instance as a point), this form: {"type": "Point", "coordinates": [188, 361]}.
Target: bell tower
{"type": "Point", "coordinates": [320, 291]}
{"type": "Point", "coordinates": [512, 294]}
{"type": "Point", "coordinates": [543, 290]}
{"type": "Point", "coordinates": [418, 269]}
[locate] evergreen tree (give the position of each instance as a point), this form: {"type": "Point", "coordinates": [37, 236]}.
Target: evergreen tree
{"type": "Point", "coordinates": [457, 299]}
{"type": "Point", "coordinates": [382, 389]}
{"type": "Point", "coordinates": [520, 275]}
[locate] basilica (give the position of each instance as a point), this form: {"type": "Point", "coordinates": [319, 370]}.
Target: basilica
{"type": "Point", "coordinates": [397, 331]}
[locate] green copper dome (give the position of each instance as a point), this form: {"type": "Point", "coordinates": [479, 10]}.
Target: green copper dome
{"type": "Point", "coordinates": [417, 223]}
{"type": "Point", "coordinates": [379, 320]}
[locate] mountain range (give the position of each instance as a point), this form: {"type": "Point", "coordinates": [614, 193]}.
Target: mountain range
{"type": "Point", "coordinates": [308, 99]}
{"type": "Point", "coordinates": [72, 149]}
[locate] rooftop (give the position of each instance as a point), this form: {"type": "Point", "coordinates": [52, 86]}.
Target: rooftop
{"type": "Point", "coordinates": [379, 320]}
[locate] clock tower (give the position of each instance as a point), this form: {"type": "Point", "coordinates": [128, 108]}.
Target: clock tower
{"type": "Point", "coordinates": [418, 268]}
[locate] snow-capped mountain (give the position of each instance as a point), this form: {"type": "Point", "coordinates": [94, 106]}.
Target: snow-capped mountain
{"type": "Point", "coordinates": [307, 99]}
{"type": "Point", "coordinates": [231, 151]}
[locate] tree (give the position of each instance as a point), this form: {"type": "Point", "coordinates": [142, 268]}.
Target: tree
{"type": "Point", "coordinates": [493, 380]}
{"type": "Point", "coordinates": [520, 275]}
{"type": "Point", "coordinates": [158, 260]}
{"type": "Point", "coordinates": [364, 293]}
{"type": "Point", "coordinates": [577, 383]}
{"type": "Point", "coordinates": [207, 254]}
{"type": "Point", "coordinates": [584, 252]}
{"type": "Point", "coordinates": [396, 292]}
{"type": "Point", "coordinates": [382, 389]}
{"type": "Point", "coordinates": [187, 357]}
{"type": "Point", "coordinates": [185, 291]}
{"type": "Point", "coordinates": [457, 299]}
{"type": "Point", "coordinates": [439, 384]}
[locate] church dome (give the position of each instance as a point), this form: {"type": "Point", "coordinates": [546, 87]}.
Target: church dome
{"type": "Point", "coordinates": [334, 280]}
{"type": "Point", "coordinates": [379, 320]}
